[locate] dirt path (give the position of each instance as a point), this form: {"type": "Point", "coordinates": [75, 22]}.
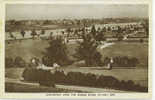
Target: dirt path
{"type": "Point", "coordinates": [106, 44]}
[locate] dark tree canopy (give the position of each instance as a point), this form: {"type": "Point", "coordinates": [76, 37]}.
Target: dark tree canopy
{"type": "Point", "coordinates": [23, 33]}
{"type": "Point", "coordinates": [56, 52]}
{"type": "Point", "coordinates": [93, 30]}
{"type": "Point", "coordinates": [87, 51]}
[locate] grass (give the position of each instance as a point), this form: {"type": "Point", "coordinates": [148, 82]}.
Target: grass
{"type": "Point", "coordinates": [139, 76]}
{"type": "Point", "coordinates": [135, 49]}
{"type": "Point", "coordinates": [14, 73]}
{"type": "Point", "coordinates": [35, 48]}
{"type": "Point", "coordinates": [16, 87]}
{"type": "Point", "coordinates": [26, 49]}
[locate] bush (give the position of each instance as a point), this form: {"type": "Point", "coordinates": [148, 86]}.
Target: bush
{"type": "Point", "coordinates": [47, 78]}
{"type": "Point", "coordinates": [90, 79]}
{"type": "Point", "coordinates": [75, 78]}
{"type": "Point", "coordinates": [30, 74]}
{"type": "Point", "coordinates": [122, 61]}
{"type": "Point", "coordinates": [19, 62]}
{"type": "Point", "coordinates": [107, 81]}
{"type": "Point", "coordinates": [9, 62]}
{"type": "Point", "coordinates": [59, 77]}
{"type": "Point", "coordinates": [41, 76]}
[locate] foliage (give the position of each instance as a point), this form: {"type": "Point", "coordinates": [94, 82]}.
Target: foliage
{"type": "Point", "coordinates": [41, 76]}
{"type": "Point", "coordinates": [145, 25]}
{"type": "Point", "coordinates": [100, 36]}
{"type": "Point", "coordinates": [93, 31]}
{"type": "Point", "coordinates": [81, 79]}
{"type": "Point", "coordinates": [56, 53]}
{"type": "Point", "coordinates": [19, 62]}
{"type": "Point", "coordinates": [122, 61]}
{"type": "Point", "coordinates": [9, 62]}
{"type": "Point", "coordinates": [87, 51]}
{"type": "Point", "coordinates": [23, 33]}
{"type": "Point", "coordinates": [33, 33]}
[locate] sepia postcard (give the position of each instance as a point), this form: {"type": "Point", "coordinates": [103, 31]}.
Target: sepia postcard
{"type": "Point", "coordinates": [76, 49]}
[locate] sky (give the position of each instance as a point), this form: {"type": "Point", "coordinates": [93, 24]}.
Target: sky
{"type": "Point", "coordinates": [76, 11]}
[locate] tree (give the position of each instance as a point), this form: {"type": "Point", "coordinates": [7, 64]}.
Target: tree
{"type": "Point", "coordinates": [100, 37]}
{"type": "Point", "coordinates": [93, 31]}
{"type": "Point", "coordinates": [56, 53]}
{"type": "Point", "coordinates": [145, 25]}
{"type": "Point", "coordinates": [109, 28]}
{"type": "Point", "coordinates": [119, 34]}
{"type": "Point", "coordinates": [22, 33]}
{"type": "Point", "coordinates": [11, 35]}
{"type": "Point", "coordinates": [103, 29]}
{"type": "Point", "coordinates": [43, 32]}
{"type": "Point", "coordinates": [33, 33]}
{"type": "Point", "coordinates": [9, 62]}
{"type": "Point", "coordinates": [19, 62]}
{"type": "Point", "coordinates": [68, 30]}
{"type": "Point", "coordinates": [87, 51]}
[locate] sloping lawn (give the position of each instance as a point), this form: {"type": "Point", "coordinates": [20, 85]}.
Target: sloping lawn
{"type": "Point", "coordinates": [35, 48]}
{"type": "Point", "coordinates": [138, 50]}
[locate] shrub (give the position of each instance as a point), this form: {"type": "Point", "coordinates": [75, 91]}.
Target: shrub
{"type": "Point", "coordinates": [30, 74]}
{"type": "Point", "coordinates": [59, 77]}
{"type": "Point", "coordinates": [47, 78]}
{"type": "Point", "coordinates": [107, 81]}
{"type": "Point", "coordinates": [130, 85]}
{"type": "Point", "coordinates": [122, 61]}
{"type": "Point", "coordinates": [122, 85]}
{"type": "Point", "coordinates": [90, 79]}
{"type": "Point", "coordinates": [75, 78]}
{"type": "Point", "coordinates": [9, 62]}
{"type": "Point", "coordinates": [44, 78]}
{"type": "Point", "coordinates": [19, 62]}
{"type": "Point", "coordinates": [41, 76]}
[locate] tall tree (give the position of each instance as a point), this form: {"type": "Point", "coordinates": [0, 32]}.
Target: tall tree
{"type": "Point", "coordinates": [87, 51]}
{"type": "Point", "coordinates": [119, 34]}
{"type": "Point", "coordinates": [22, 33]}
{"type": "Point", "coordinates": [56, 52]}
{"type": "Point", "coordinates": [33, 33]}
{"type": "Point", "coordinates": [93, 31]}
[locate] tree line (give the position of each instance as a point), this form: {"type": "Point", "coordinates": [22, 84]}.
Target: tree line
{"type": "Point", "coordinates": [57, 52]}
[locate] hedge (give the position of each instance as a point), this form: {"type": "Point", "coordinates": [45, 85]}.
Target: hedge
{"type": "Point", "coordinates": [15, 62]}
{"type": "Point", "coordinates": [80, 79]}
{"type": "Point", "coordinates": [41, 76]}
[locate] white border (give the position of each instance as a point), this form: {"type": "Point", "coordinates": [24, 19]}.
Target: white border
{"type": "Point", "coordinates": [43, 95]}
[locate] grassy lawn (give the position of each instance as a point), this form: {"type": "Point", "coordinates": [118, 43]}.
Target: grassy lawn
{"type": "Point", "coordinates": [26, 49]}
{"type": "Point", "coordinates": [14, 73]}
{"type": "Point", "coordinates": [15, 87]}
{"type": "Point", "coordinates": [138, 50]}
{"type": "Point", "coordinates": [35, 48]}
{"type": "Point", "coordinates": [139, 76]}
